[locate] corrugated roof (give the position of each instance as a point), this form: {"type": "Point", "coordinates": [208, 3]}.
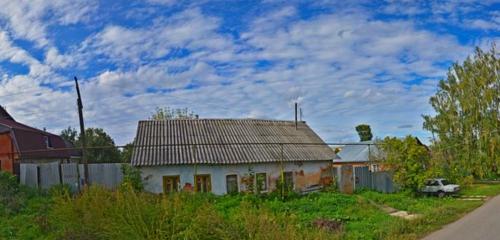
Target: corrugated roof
{"type": "Point", "coordinates": [225, 141]}
{"type": "Point", "coordinates": [358, 152]}
{"type": "Point", "coordinates": [31, 141]}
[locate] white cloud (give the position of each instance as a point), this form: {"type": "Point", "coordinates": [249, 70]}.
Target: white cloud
{"type": "Point", "coordinates": [28, 19]}
{"type": "Point", "coordinates": [344, 69]}
{"type": "Point", "coordinates": [188, 30]}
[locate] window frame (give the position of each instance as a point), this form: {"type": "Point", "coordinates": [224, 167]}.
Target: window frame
{"type": "Point", "coordinates": [48, 142]}
{"type": "Point", "coordinates": [265, 183]}
{"type": "Point", "coordinates": [209, 185]}
{"type": "Point", "coordinates": [237, 183]}
{"type": "Point", "coordinates": [292, 185]}
{"type": "Point", "coordinates": [177, 181]}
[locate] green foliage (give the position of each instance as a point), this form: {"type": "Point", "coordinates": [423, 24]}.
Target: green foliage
{"type": "Point", "coordinates": [364, 132]}
{"type": "Point", "coordinates": [13, 196]}
{"type": "Point", "coordinates": [96, 137]}
{"type": "Point", "coordinates": [22, 210]}
{"type": "Point", "coordinates": [409, 160]}
{"type": "Point", "coordinates": [126, 153]}
{"type": "Point", "coordinates": [467, 119]}
{"type": "Point", "coordinates": [132, 178]}
{"type": "Point", "coordinates": [172, 113]}
{"type": "Point", "coordinates": [70, 134]}
{"type": "Point", "coordinates": [100, 146]}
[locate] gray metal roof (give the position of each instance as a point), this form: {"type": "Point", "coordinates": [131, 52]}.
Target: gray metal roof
{"type": "Point", "coordinates": [225, 141]}
{"type": "Point", "coordinates": [358, 152]}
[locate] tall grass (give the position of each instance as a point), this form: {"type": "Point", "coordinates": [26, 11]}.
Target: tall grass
{"type": "Point", "coordinates": [125, 214]}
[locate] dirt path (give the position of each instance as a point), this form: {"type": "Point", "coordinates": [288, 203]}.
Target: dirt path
{"type": "Point", "coordinates": [481, 224]}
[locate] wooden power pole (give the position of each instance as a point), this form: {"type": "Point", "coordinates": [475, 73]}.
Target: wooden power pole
{"type": "Point", "coordinates": [82, 133]}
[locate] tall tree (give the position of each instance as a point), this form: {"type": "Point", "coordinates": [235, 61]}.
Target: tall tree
{"type": "Point", "coordinates": [364, 132]}
{"type": "Point", "coordinates": [100, 146]}
{"type": "Point", "coordinates": [466, 123]}
{"type": "Point", "coordinates": [172, 113]}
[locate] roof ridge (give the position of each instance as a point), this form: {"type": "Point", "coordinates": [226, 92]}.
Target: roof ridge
{"type": "Point", "coordinates": [225, 119]}
{"type": "Point", "coordinates": [25, 127]}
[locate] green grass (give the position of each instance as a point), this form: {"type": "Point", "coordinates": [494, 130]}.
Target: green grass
{"type": "Point", "coordinates": [484, 189]}
{"type": "Point", "coordinates": [435, 212]}
{"type": "Point", "coordinates": [125, 214]}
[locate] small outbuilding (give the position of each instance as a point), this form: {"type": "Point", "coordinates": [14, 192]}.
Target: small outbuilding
{"type": "Point", "coordinates": [230, 155]}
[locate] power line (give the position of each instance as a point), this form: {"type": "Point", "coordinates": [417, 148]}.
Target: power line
{"type": "Point", "coordinates": [191, 144]}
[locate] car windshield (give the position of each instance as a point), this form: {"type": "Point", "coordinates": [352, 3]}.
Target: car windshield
{"type": "Point", "coordinates": [445, 182]}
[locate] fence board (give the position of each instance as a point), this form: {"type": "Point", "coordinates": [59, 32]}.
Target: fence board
{"type": "Point", "coordinates": [383, 182]}
{"type": "Point", "coordinates": [105, 174]}
{"type": "Point", "coordinates": [49, 175]}
{"type": "Point", "coordinates": [46, 175]}
{"type": "Point", "coordinates": [69, 174]}
{"type": "Point", "coordinates": [29, 175]}
{"type": "Point", "coordinates": [362, 178]}
{"type": "Point", "coordinates": [346, 176]}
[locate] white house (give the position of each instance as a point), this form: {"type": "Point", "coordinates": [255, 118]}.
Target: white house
{"type": "Point", "coordinates": [229, 155]}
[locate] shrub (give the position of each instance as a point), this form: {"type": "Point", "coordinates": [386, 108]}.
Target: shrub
{"type": "Point", "coordinates": [13, 196]}
{"type": "Point", "coordinates": [132, 178]}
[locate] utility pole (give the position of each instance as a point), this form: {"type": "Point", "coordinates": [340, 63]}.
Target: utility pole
{"type": "Point", "coordinates": [82, 134]}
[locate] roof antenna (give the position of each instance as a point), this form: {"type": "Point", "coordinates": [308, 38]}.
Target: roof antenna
{"type": "Point", "coordinates": [296, 105]}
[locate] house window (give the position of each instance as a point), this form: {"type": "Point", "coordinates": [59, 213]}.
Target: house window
{"type": "Point", "coordinates": [202, 183]}
{"type": "Point", "coordinates": [48, 143]}
{"type": "Point", "coordinates": [232, 183]}
{"type": "Point", "coordinates": [375, 168]}
{"type": "Point", "coordinates": [170, 184]}
{"type": "Point", "coordinates": [288, 180]}
{"type": "Point", "coordinates": [261, 181]}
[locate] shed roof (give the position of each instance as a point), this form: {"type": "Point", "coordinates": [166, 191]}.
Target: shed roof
{"type": "Point", "coordinates": [225, 141]}
{"type": "Point", "coordinates": [358, 152]}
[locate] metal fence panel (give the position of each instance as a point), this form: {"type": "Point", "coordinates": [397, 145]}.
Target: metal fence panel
{"type": "Point", "coordinates": [69, 174]}
{"type": "Point", "coordinates": [29, 175]}
{"type": "Point", "coordinates": [106, 174]}
{"type": "Point", "coordinates": [383, 182]}
{"type": "Point", "coordinates": [362, 178]}
{"type": "Point", "coordinates": [49, 175]}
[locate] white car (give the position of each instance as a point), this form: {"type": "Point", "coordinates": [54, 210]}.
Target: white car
{"type": "Point", "coordinates": [440, 187]}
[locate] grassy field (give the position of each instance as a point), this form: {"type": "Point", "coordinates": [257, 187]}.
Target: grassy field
{"type": "Point", "coordinates": [125, 214]}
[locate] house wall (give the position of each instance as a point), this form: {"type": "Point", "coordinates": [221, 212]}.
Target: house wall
{"type": "Point", "coordinates": [6, 153]}
{"type": "Point", "coordinates": [304, 174]}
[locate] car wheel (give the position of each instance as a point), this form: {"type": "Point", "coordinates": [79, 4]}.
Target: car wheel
{"type": "Point", "coordinates": [441, 194]}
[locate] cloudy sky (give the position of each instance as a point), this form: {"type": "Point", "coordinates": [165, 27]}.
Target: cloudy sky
{"type": "Point", "coordinates": [346, 64]}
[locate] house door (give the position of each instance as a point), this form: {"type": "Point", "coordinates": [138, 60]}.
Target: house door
{"type": "Point", "coordinates": [202, 183]}
{"type": "Point", "coordinates": [170, 184]}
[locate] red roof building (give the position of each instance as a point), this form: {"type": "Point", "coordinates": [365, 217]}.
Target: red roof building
{"type": "Point", "coordinates": [22, 143]}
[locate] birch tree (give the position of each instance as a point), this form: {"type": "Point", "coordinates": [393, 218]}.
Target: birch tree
{"type": "Point", "coordinates": [467, 117]}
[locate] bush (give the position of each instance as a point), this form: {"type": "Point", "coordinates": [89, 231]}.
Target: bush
{"type": "Point", "coordinates": [13, 196]}
{"type": "Point", "coordinates": [132, 178]}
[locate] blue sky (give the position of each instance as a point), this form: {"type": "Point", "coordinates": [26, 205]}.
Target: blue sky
{"type": "Point", "coordinates": [374, 62]}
